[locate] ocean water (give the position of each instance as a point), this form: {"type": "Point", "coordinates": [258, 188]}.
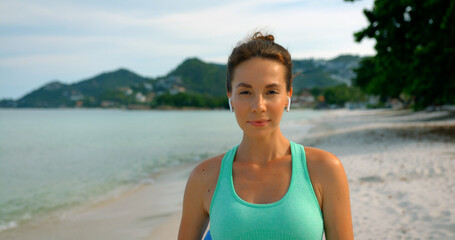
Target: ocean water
{"type": "Point", "coordinates": [53, 159]}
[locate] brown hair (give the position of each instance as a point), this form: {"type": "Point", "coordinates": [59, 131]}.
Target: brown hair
{"type": "Point", "coordinates": [259, 46]}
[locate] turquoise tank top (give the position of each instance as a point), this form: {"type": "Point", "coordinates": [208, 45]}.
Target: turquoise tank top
{"type": "Point", "coordinates": [295, 216]}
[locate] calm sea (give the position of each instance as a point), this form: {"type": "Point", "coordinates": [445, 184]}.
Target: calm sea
{"type": "Point", "coordinates": [55, 159]}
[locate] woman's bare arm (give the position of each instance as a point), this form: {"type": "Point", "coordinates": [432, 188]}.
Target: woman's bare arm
{"type": "Point", "coordinates": [336, 205]}
{"type": "Point", "coordinates": [194, 216]}
{"type": "Point", "coordinates": [198, 196]}
{"type": "Point", "coordinates": [331, 187]}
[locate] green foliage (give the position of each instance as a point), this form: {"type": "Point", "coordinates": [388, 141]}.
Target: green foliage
{"type": "Point", "coordinates": [54, 94]}
{"type": "Point", "coordinates": [8, 103]}
{"type": "Point", "coordinates": [313, 78]}
{"type": "Point", "coordinates": [91, 91]}
{"type": "Point", "coordinates": [319, 73]}
{"type": "Point", "coordinates": [108, 81]}
{"type": "Point", "coordinates": [208, 78]}
{"type": "Point", "coordinates": [415, 44]}
{"type": "Point", "coordinates": [118, 97]}
{"type": "Point", "coordinates": [180, 100]}
{"type": "Point", "coordinates": [200, 77]}
{"type": "Point", "coordinates": [340, 94]}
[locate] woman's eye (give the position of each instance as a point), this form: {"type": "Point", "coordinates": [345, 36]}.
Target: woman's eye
{"type": "Point", "coordinates": [272, 92]}
{"type": "Point", "coordinates": [244, 92]}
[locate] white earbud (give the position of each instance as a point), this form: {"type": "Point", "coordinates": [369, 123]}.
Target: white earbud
{"type": "Point", "coordinates": [230, 105]}
{"type": "Point", "coordinates": [289, 104]}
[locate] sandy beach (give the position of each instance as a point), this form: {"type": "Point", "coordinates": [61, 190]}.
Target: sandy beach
{"type": "Point", "coordinates": [400, 169]}
{"type": "Point", "coordinates": [399, 165]}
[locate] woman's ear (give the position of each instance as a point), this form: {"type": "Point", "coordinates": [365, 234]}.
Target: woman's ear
{"type": "Point", "coordinates": [289, 100]}
{"type": "Point", "coordinates": [230, 103]}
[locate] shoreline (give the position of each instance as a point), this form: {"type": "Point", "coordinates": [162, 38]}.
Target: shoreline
{"type": "Point", "coordinates": [132, 213]}
{"type": "Point", "coordinates": [395, 161]}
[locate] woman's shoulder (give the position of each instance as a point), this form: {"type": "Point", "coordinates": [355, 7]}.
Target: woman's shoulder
{"type": "Point", "coordinates": [206, 172]}
{"type": "Point", "coordinates": [324, 168]}
{"type": "Point", "coordinates": [332, 191]}
{"type": "Point", "coordinates": [321, 159]}
{"type": "Point", "coordinates": [207, 167]}
{"type": "Point", "coordinates": [203, 180]}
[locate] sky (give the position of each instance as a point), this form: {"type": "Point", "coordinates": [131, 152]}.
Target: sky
{"type": "Point", "coordinates": [72, 40]}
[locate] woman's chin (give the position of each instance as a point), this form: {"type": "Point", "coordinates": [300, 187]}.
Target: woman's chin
{"type": "Point", "coordinates": [259, 133]}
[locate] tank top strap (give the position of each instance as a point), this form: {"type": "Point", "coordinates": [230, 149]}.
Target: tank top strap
{"type": "Point", "coordinates": [226, 164]}
{"type": "Point", "coordinates": [298, 162]}
{"type": "Point", "coordinates": [302, 176]}
{"type": "Point", "coordinates": [224, 177]}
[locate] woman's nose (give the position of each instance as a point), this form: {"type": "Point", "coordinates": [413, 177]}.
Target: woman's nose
{"type": "Point", "coordinates": [259, 104]}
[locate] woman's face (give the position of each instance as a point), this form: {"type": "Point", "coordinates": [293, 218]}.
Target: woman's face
{"type": "Point", "coordinates": [259, 95]}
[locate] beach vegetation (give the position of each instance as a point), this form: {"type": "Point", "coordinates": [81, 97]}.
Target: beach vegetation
{"type": "Point", "coordinates": [337, 96]}
{"type": "Point", "coordinates": [181, 100]}
{"type": "Point", "coordinates": [415, 45]}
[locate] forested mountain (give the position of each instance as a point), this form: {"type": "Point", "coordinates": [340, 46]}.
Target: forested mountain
{"type": "Point", "coordinates": [196, 76]}
{"type": "Point", "coordinates": [324, 73]}
{"type": "Point", "coordinates": [57, 94]}
{"type": "Point", "coordinates": [192, 79]}
{"type": "Point", "coordinates": [200, 77]}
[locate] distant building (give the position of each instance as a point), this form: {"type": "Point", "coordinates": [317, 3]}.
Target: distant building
{"type": "Point", "coordinates": [128, 91]}
{"type": "Point", "coordinates": [305, 99]}
{"type": "Point", "coordinates": [140, 97]}
{"type": "Point", "coordinates": [107, 104]}
{"type": "Point", "coordinates": [148, 86]}
{"type": "Point", "coordinates": [176, 89]}
{"type": "Point", "coordinates": [76, 97]}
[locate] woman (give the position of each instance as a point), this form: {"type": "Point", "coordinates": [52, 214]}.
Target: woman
{"type": "Point", "coordinates": [267, 187]}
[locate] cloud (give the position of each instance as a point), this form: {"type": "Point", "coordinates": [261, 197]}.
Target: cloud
{"type": "Point", "coordinates": [48, 38]}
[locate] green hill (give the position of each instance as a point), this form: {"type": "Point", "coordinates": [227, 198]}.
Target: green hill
{"type": "Point", "coordinates": [53, 94]}
{"type": "Point", "coordinates": [324, 73]}
{"type": "Point", "coordinates": [192, 77]}
{"type": "Point", "coordinates": [200, 77]}
{"type": "Point", "coordinates": [197, 76]}
{"type": "Point", "coordinates": [93, 87]}
{"type": "Point", "coordinates": [57, 94]}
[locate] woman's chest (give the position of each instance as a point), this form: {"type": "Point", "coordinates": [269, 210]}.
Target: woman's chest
{"type": "Point", "coordinates": [261, 184]}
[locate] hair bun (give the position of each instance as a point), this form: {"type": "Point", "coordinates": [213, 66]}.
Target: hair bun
{"type": "Point", "coordinates": [259, 35]}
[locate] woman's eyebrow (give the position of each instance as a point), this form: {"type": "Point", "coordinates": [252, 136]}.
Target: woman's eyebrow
{"type": "Point", "coordinates": [273, 85]}
{"type": "Point", "coordinates": [243, 85]}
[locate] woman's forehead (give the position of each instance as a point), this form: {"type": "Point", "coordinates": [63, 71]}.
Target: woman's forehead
{"type": "Point", "coordinates": [259, 72]}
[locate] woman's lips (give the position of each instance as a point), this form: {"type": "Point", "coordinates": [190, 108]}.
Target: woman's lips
{"type": "Point", "coordinates": [259, 123]}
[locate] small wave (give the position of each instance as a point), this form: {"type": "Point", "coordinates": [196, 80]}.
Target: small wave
{"type": "Point", "coordinates": [147, 181]}
{"type": "Point", "coordinates": [7, 226]}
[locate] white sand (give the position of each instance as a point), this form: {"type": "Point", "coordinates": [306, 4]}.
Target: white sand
{"type": "Point", "coordinates": [400, 168]}
{"type": "Point", "coordinates": [399, 164]}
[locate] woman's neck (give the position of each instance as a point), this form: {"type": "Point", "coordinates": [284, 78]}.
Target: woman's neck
{"type": "Point", "coordinates": [263, 149]}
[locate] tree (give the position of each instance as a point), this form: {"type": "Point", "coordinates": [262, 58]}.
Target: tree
{"type": "Point", "coordinates": [415, 44]}
{"type": "Point", "coordinates": [342, 93]}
